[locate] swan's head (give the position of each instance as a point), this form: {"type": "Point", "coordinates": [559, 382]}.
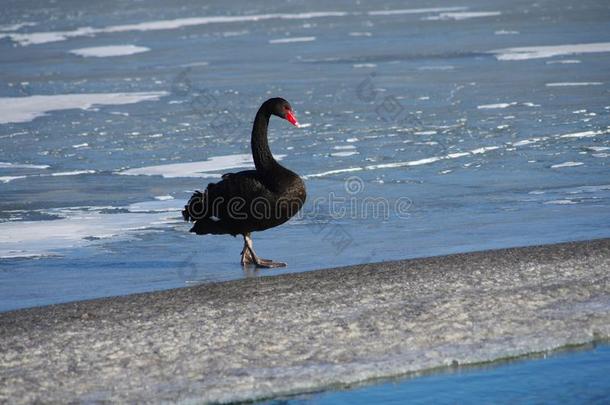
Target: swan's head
{"type": "Point", "coordinates": [281, 108]}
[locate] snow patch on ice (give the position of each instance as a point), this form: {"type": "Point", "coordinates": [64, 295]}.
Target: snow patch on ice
{"type": "Point", "coordinates": [536, 52]}
{"type": "Point", "coordinates": [506, 32]}
{"type": "Point", "coordinates": [210, 168]}
{"type": "Point", "coordinates": [8, 179]}
{"type": "Point", "coordinates": [409, 163]}
{"type": "Point", "coordinates": [72, 173]}
{"type": "Point", "coordinates": [463, 15]}
{"type": "Point", "coordinates": [416, 10]}
{"type": "Point", "coordinates": [588, 189]}
{"type": "Point", "coordinates": [344, 153]}
{"type": "Point", "coordinates": [506, 105]}
{"type": "Point", "coordinates": [195, 64]}
{"type": "Point", "coordinates": [360, 34]}
{"type": "Point", "coordinates": [484, 149]}
{"type": "Point", "coordinates": [164, 205]}
{"type": "Point", "coordinates": [530, 141]}
{"type": "Point", "coordinates": [54, 36]}
{"type": "Point", "coordinates": [291, 40]}
{"type": "Point", "coordinates": [566, 164]}
{"type": "Point", "coordinates": [76, 227]}
{"type": "Point", "coordinates": [16, 26]}
{"type": "Point", "coordinates": [563, 62]}
{"type": "Point", "coordinates": [584, 134]}
{"type": "Point", "coordinates": [561, 202]}
{"type": "Point", "coordinates": [572, 84]}
{"type": "Point", "coordinates": [110, 50]}
{"type": "Point", "coordinates": [457, 155]}
{"type": "Point", "coordinates": [495, 106]}
{"type": "Point", "coordinates": [8, 165]}
{"type": "Point", "coordinates": [25, 109]}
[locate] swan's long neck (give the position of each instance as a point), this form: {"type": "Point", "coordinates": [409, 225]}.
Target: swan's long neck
{"type": "Point", "coordinates": [263, 159]}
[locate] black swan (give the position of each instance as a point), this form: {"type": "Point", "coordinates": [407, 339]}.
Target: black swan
{"type": "Point", "coordinates": [251, 200]}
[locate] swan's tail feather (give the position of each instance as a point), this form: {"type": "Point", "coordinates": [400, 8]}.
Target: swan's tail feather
{"type": "Point", "coordinates": [193, 209]}
{"type": "Point", "coordinates": [207, 226]}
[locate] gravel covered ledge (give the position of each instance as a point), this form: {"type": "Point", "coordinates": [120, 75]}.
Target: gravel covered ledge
{"type": "Point", "coordinates": [256, 338]}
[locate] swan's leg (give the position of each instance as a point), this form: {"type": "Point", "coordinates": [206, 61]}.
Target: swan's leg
{"type": "Point", "coordinates": [249, 256]}
{"type": "Point", "coordinates": [246, 256]}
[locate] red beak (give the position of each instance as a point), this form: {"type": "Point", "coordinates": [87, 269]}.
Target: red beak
{"type": "Point", "coordinates": [292, 119]}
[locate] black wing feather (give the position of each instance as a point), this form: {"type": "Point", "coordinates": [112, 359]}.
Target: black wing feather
{"type": "Point", "coordinates": [224, 207]}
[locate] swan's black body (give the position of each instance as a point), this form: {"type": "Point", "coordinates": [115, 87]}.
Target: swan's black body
{"type": "Point", "coordinates": [251, 200]}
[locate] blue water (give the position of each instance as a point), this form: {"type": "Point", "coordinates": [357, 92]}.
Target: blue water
{"type": "Point", "coordinates": [568, 378]}
{"type": "Point", "coordinates": [418, 107]}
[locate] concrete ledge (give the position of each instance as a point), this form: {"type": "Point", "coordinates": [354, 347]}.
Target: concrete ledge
{"type": "Point", "coordinates": [256, 338]}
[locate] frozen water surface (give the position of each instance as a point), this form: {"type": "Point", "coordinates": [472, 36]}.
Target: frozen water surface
{"type": "Point", "coordinates": [483, 125]}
